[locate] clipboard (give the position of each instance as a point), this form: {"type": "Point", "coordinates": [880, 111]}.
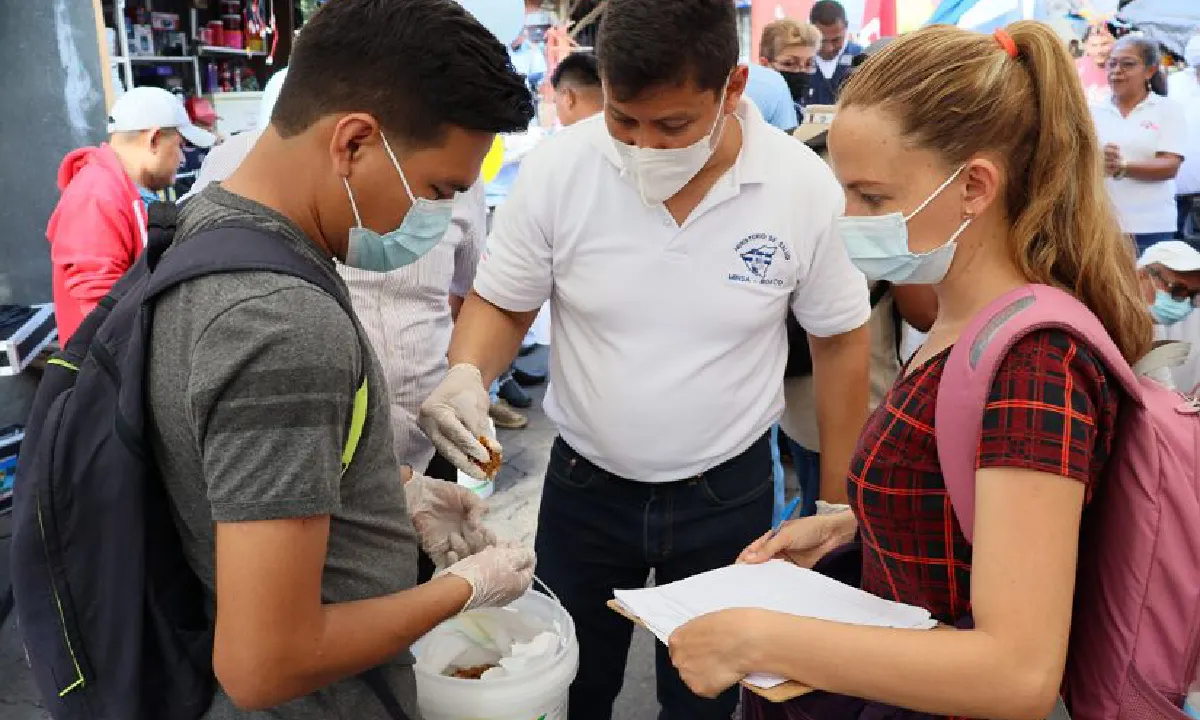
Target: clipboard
{"type": "Point", "coordinates": [790, 690]}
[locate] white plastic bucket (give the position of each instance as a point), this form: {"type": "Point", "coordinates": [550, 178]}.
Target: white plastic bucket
{"type": "Point", "coordinates": [537, 696]}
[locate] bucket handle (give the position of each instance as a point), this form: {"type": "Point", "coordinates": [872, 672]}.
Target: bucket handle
{"type": "Point", "coordinates": [550, 593]}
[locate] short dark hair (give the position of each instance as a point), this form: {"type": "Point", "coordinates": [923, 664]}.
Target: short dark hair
{"type": "Point", "coordinates": [645, 44]}
{"type": "Point", "coordinates": [828, 12]}
{"type": "Point", "coordinates": [417, 66]}
{"type": "Point", "coordinates": [579, 69]}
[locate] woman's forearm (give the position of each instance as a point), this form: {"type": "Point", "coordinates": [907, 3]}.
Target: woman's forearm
{"type": "Point", "coordinates": [1156, 169]}
{"type": "Point", "coordinates": [944, 671]}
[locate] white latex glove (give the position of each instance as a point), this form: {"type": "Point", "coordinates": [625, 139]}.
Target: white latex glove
{"type": "Point", "coordinates": [497, 575]}
{"type": "Point", "coordinates": [448, 518]}
{"type": "Point", "coordinates": [455, 416]}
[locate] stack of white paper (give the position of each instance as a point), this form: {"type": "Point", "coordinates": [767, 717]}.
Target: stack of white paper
{"type": "Point", "coordinates": [776, 585]}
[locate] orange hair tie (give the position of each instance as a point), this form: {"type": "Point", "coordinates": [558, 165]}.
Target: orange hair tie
{"type": "Point", "coordinates": [1005, 41]}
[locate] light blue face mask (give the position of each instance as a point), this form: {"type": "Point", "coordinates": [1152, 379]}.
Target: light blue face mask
{"type": "Point", "coordinates": [878, 245]}
{"type": "Point", "coordinates": [1167, 310]}
{"type": "Point", "coordinates": [148, 196]}
{"type": "Point", "coordinates": [422, 228]}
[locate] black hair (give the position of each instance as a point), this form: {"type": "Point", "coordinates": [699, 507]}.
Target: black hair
{"type": "Point", "coordinates": [579, 69]}
{"type": "Point", "coordinates": [644, 44]}
{"type": "Point", "coordinates": [1151, 57]}
{"type": "Point", "coordinates": [418, 66]}
{"type": "Point", "coordinates": [827, 12]}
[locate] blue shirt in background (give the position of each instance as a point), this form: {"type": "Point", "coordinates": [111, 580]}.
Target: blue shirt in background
{"type": "Point", "coordinates": [770, 93]}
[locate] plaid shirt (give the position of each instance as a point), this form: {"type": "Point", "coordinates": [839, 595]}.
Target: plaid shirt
{"type": "Point", "coordinates": [1048, 388]}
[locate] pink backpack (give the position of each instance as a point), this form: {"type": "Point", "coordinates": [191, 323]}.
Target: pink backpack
{"type": "Point", "coordinates": [1135, 640]}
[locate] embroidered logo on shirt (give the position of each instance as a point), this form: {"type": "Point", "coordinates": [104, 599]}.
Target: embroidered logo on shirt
{"type": "Point", "coordinates": [757, 253]}
{"type": "Point", "coordinates": [1150, 125]}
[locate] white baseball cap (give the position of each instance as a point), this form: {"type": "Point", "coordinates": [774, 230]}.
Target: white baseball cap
{"type": "Point", "coordinates": [1172, 254]}
{"type": "Point", "coordinates": [146, 108]}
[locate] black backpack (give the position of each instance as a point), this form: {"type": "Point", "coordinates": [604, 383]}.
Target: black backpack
{"type": "Point", "coordinates": [799, 360]}
{"type": "Point", "coordinates": [114, 621]}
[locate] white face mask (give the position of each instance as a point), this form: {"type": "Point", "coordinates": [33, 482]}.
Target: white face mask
{"type": "Point", "coordinates": [878, 245]}
{"type": "Point", "coordinates": [659, 174]}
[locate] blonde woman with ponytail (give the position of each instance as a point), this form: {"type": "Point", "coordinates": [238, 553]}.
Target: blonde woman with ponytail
{"type": "Point", "coordinates": [969, 163]}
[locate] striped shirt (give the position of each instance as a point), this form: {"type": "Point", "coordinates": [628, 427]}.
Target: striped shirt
{"type": "Point", "coordinates": [406, 314]}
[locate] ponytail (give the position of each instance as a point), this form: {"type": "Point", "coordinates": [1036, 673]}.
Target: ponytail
{"type": "Point", "coordinates": [962, 94]}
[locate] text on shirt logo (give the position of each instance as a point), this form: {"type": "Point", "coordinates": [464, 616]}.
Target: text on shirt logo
{"type": "Point", "coordinates": [758, 252]}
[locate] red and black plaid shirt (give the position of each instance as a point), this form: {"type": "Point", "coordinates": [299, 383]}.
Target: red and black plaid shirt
{"type": "Point", "coordinates": [1048, 388]}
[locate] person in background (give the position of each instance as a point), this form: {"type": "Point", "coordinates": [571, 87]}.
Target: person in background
{"type": "Point", "coordinates": [1183, 86]}
{"type": "Point", "coordinates": [223, 159]}
{"type": "Point", "coordinates": [790, 48]}
{"type": "Point", "coordinates": [767, 89]}
{"type": "Point", "coordinates": [529, 60]}
{"type": "Point", "coordinates": [1144, 138]}
{"type": "Point", "coordinates": [98, 228]}
{"type": "Point", "coordinates": [984, 146]}
{"type": "Point", "coordinates": [1098, 43]}
{"type": "Point", "coordinates": [836, 55]}
{"type": "Point", "coordinates": [309, 564]}
{"type": "Point", "coordinates": [408, 314]}
{"type": "Point", "coordinates": [578, 94]}
{"type": "Point", "coordinates": [1075, 47]}
{"type": "Point", "coordinates": [1170, 274]}
{"type": "Point", "coordinates": [678, 203]}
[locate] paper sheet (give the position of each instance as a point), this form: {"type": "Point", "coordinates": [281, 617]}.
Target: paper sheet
{"type": "Point", "coordinates": [778, 586]}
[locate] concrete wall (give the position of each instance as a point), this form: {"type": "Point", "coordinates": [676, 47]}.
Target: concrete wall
{"type": "Point", "coordinates": [51, 102]}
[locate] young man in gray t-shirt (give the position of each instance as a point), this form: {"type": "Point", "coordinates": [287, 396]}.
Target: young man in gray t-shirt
{"type": "Point", "coordinates": [388, 108]}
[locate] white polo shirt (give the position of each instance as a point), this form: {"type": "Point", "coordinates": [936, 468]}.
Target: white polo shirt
{"type": "Point", "coordinates": [669, 342]}
{"type": "Point", "coordinates": [1156, 125]}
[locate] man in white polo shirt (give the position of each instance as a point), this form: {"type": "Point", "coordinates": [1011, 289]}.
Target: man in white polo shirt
{"type": "Point", "coordinates": [671, 234]}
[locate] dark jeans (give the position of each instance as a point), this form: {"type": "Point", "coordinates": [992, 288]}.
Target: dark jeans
{"type": "Point", "coordinates": [808, 474]}
{"type": "Point", "coordinates": [1183, 205]}
{"type": "Point", "coordinates": [597, 532]}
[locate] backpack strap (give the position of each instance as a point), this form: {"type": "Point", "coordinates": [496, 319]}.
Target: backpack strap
{"type": "Point", "coordinates": [974, 361]}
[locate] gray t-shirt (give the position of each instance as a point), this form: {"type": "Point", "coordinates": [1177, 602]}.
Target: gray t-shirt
{"type": "Point", "coordinates": [251, 383]}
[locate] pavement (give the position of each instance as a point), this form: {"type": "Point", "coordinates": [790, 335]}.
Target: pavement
{"type": "Point", "coordinates": [514, 513]}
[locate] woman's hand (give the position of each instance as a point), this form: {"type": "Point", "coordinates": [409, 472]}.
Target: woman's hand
{"type": "Point", "coordinates": [1112, 159]}
{"type": "Point", "coordinates": [712, 651]}
{"type": "Point", "coordinates": [803, 541]}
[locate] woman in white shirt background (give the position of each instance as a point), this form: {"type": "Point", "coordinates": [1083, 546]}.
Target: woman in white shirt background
{"type": "Point", "coordinates": [1184, 88]}
{"type": "Point", "coordinates": [1144, 135]}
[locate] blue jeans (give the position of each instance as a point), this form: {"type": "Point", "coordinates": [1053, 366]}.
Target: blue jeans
{"type": "Point", "coordinates": [597, 532]}
{"type": "Point", "coordinates": [1145, 240]}
{"type": "Point", "coordinates": [808, 473]}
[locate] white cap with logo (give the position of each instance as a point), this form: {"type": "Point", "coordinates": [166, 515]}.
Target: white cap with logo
{"type": "Point", "coordinates": [1173, 254]}
{"type": "Point", "coordinates": [146, 108]}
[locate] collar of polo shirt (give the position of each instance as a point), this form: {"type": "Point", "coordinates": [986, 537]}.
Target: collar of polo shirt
{"type": "Point", "coordinates": [753, 162]}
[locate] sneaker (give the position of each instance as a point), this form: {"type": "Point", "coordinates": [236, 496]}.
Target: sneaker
{"type": "Point", "coordinates": [513, 394]}
{"type": "Point", "coordinates": [506, 417]}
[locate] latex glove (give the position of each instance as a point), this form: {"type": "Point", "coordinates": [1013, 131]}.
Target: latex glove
{"type": "Point", "coordinates": [497, 575]}
{"type": "Point", "coordinates": [448, 518]}
{"type": "Point", "coordinates": [455, 416]}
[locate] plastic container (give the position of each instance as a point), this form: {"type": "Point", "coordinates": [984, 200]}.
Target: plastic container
{"type": "Point", "coordinates": [537, 696]}
{"type": "Point", "coordinates": [483, 488]}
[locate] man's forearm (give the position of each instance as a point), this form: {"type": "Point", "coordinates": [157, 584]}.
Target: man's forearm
{"type": "Point", "coordinates": [351, 638]}
{"type": "Point", "coordinates": [840, 374]}
{"type": "Point", "coordinates": [487, 337]}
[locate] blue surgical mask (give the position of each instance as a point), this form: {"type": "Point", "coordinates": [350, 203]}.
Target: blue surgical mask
{"type": "Point", "coordinates": [148, 196]}
{"type": "Point", "coordinates": [422, 228]}
{"type": "Point", "coordinates": [1167, 310]}
{"type": "Point", "coordinates": [878, 245]}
